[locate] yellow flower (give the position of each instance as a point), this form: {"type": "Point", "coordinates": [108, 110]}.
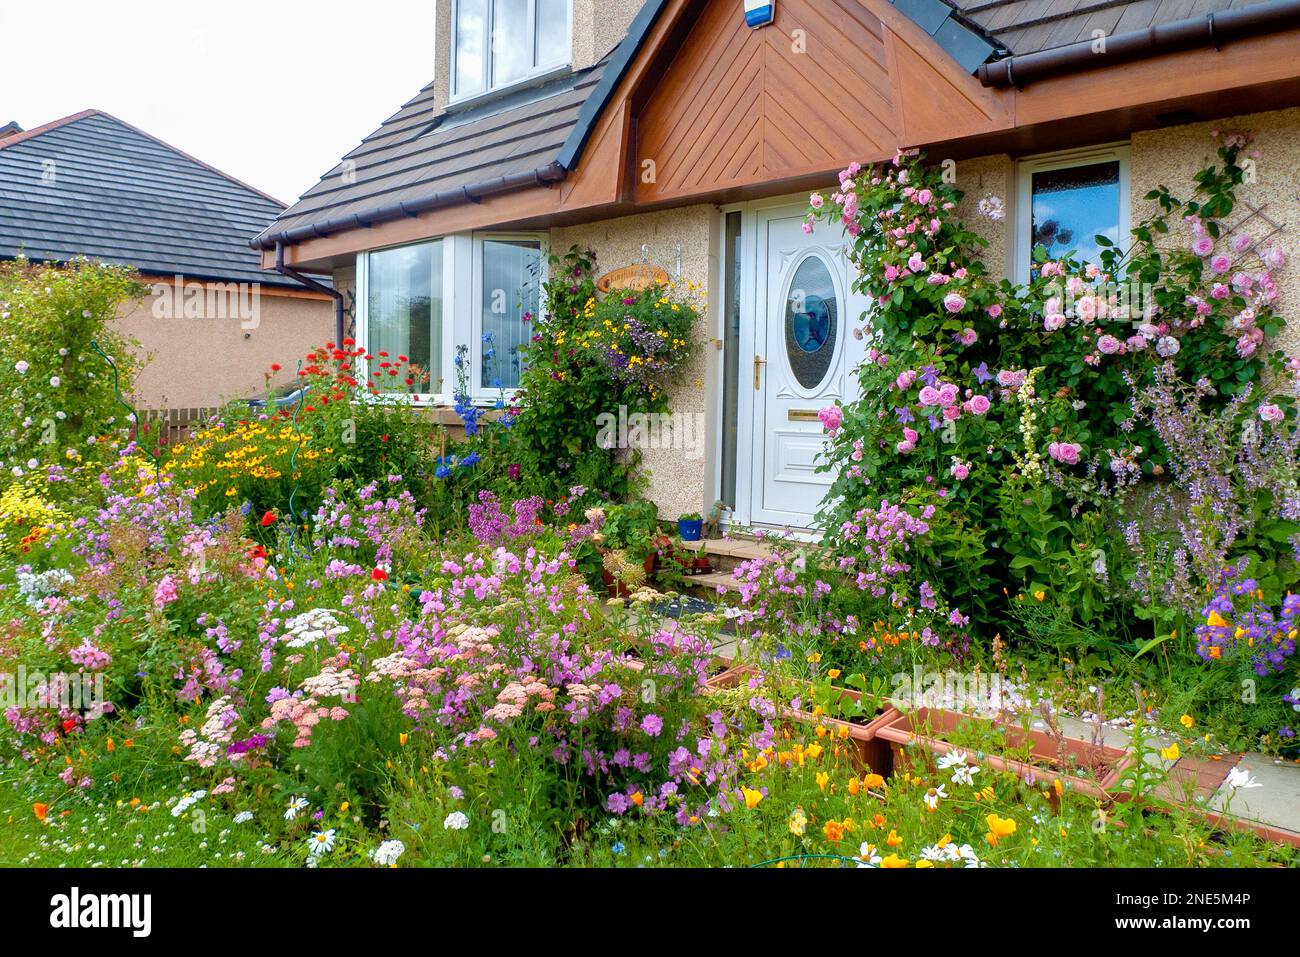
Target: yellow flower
{"type": "Point", "coordinates": [893, 840]}
{"type": "Point", "coordinates": [873, 782]}
{"type": "Point", "coordinates": [834, 831]}
{"type": "Point", "coordinates": [752, 797]}
{"type": "Point", "coordinates": [1187, 721]}
{"type": "Point", "coordinates": [894, 862]}
{"type": "Point", "coordinates": [822, 779]}
{"type": "Point", "coordinates": [1216, 620]}
{"type": "Point", "coordinates": [834, 673]}
{"type": "Point", "coordinates": [999, 827]}
{"type": "Point", "coordinates": [798, 822]}
{"type": "Point", "coordinates": [1171, 753]}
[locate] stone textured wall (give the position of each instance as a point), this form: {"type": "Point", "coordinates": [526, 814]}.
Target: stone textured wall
{"type": "Point", "coordinates": [1172, 156]}
{"type": "Point", "coordinates": [990, 176]}
{"type": "Point", "coordinates": [598, 26]}
{"type": "Point", "coordinates": [678, 484]}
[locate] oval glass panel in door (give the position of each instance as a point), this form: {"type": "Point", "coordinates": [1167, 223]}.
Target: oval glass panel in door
{"type": "Point", "coordinates": [812, 326]}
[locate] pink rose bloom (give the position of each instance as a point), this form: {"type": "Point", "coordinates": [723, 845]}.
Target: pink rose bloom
{"type": "Point", "coordinates": [936, 279]}
{"type": "Point", "coordinates": [960, 471]}
{"type": "Point", "coordinates": [1086, 308]}
{"type": "Point", "coordinates": [1168, 347]}
{"type": "Point", "coordinates": [929, 396]}
{"type": "Point", "coordinates": [905, 381]}
{"type": "Point", "coordinates": [1054, 322]}
{"type": "Point", "coordinates": [1271, 413]}
{"type": "Point", "coordinates": [832, 418]}
{"type": "Point", "coordinates": [891, 273]}
{"type": "Point", "coordinates": [817, 201]}
{"type": "Point", "coordinates": [1220, 263]}
{"type": "Point", "coordinates": [808, 228]}
{"type": "Point", "coordinates": [952, 413]}
{"type": "Point", "coordinates": [1220, 291]}
{"type": "Point", "coordinates": [1242, 242]}
{"type": "Point", "coordinates": [1067, 453]}
{"type": "Point", "coordinates": [954, 302]}
{"type": "Point", "coordinates": [924, 197]}
{"type": "Point", "coordinates": [1136, 343]}
{"type": "Point", "coordinates": [980, 405]}
{"type": "Point", "coordinates": [995, 311]}
{"type": "Point", "coordinates": [948, 395]}
{"type": "Point", "coordinates": [916, 263]}
{"type": "Point", "coordinates": [1274, 257]}
{"type": "Point", "coordinates": [1203, 246]}
{"type": "Point", "coordinates": [1109, 345]}
{"type": "Point", "coordinates": [906, 448]}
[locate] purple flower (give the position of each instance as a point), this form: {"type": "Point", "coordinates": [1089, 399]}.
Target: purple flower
{"type": "Point", "coordinates": [652, 725]}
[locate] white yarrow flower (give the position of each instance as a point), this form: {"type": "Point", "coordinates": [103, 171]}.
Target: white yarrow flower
{"type": "Point", "coordinates": [456, 821]}
{"type": "Point", "coordinates": [388, 853]}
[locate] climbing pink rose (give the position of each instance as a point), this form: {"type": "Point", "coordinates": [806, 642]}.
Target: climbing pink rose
{"type": "Point", "coordinates": [980, 405]}
{"type": "Point", "coordinates": [954, 302]}
{"type": "Point", "coordinates": [1203, 246]}
{"type": "Point", "coordinates": [832, 418]}
{"type": "Point", "coordinates": [929, 396]}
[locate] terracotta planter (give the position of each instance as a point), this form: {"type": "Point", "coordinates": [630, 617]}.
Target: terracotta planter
{"type": "Point", "coordinates": [930, 727]}
{"type": "Point", "coordinates": [869, 751]}
{"type": "Point", "coordinates": [619, 590]}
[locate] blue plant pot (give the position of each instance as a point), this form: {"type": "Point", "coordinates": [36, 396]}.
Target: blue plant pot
{"type": "Point", "coordinates": [690, 531]}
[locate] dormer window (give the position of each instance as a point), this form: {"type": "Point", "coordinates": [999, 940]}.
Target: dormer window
{"type": "Point", "coordinates": [498, 43]}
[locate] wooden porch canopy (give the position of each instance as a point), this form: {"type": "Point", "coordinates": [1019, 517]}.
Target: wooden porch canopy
{"type": "Point", "coordinates": [696, 107]}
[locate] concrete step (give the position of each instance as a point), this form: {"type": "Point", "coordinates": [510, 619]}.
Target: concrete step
{"type": "Point", "coordinates": [710, 584]}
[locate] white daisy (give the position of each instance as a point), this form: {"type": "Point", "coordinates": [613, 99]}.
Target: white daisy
{"type": "Point", "coordinates": [296, 805]}
{"type": "Point", "coordinates": [322, 842]}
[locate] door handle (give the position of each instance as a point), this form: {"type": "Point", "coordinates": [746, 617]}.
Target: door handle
{"type": "Point", "coordinates": [759, 362]}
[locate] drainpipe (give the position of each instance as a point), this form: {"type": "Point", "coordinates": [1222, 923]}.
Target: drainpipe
{"type": "Point", "coordinates": [340, 331]}
{"type": "Point", "coordinates": [1213, 29]}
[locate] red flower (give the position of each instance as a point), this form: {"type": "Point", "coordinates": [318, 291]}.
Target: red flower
{"type": "Point", "coordinates": [276, 367]}
{"type": "Point", "coordinates": [379, 575]}
{"type": "Point", "coordinates": [269, 519]}
{"type": "Point", "coordinates": [69, 726]}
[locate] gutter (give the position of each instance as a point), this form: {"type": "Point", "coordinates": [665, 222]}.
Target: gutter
{"type": "Point", "coordinates": [473, 193]}
{"type": "Point", "coordinates": [1213, 29]}
{"type": "Point", "coordinates": [340, 330]}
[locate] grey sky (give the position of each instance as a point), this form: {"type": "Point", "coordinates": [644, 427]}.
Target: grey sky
{"type": "Point", "coordinates": [272, 92]}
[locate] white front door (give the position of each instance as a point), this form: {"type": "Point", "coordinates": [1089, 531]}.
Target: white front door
{"type": "Point", "coordinates": [804, 314]}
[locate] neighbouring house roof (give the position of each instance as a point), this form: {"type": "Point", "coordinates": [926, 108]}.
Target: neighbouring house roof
{"type": "Point", "coordinates": [92, 185]}
{"type": "Point", "coordinates": [9, 129]}
{"type": "Point", "coordinates": [418, 160]}
{"type": "Point", "coordinates": [1032, 26]}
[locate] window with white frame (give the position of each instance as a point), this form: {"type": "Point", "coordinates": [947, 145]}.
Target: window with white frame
{"type": "Point", "coordinates": [497, 43]}
{"type": "Point", "coordinates": [427, 303]}
{"type": "Point", "coordinates": [404, 312]}
{"type": "Point", "coordinates": [1067, 200]}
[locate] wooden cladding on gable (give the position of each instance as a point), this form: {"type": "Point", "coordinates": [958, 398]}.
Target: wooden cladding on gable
{"type": "Point", "coordinates": [830, 82]}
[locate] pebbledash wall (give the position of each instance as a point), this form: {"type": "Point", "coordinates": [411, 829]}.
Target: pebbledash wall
{"type": "Point", "coordinates": [202, 363]}
{"type": "Point", "coordinates": [684, 242]}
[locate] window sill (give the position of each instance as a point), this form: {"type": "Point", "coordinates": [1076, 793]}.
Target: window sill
{"type": "Point", "coordinates": [459, 104]}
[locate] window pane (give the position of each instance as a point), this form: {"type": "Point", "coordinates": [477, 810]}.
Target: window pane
{"type": "Point", "coordinates": [471, 45]}
{"type": "Point", "coordinates": [511, 290]}
{"type": "Point", "coordinates": [512, 48]}
{"type": "Point", "coordinates": [811, 323]}
{"type": "Point", "coordinates": [1073, 206]}
{"type": "Point", "coordinates": [552, 32]}
{"type": "Point", "coordinates": [405, 315]}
